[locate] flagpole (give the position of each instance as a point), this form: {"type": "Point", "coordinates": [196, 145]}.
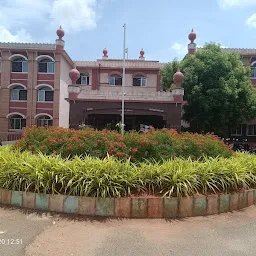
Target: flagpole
{"type": "Point", "coordinates": [123, 83]}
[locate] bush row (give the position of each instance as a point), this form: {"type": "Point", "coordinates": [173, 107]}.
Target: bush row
{"type": "Point", "coordinates": [156, 145]}
{"type": "Point", "coordinates": [110, 177]}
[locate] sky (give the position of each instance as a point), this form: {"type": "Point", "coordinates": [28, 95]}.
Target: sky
{"type": "Point", "coordinates": [160, 27]}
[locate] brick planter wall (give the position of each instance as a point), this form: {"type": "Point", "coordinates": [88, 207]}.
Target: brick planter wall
{"type": "Point", "coordinates": [131, 207]}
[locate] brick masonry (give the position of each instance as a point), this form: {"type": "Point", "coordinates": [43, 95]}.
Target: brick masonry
{"type": "Point", "coordinates": [243, 200]}
{"type": "Point", "coordinates": [139, 207]}
{"type": "Point", "coordinates": [250, 198]}
{"type": "Point", "coordinates": [200, 206]}
{"type": "Point", "coordinates": [224, 203]}
{"type": "Point", "coordinates": [212, 205]}
{"type": "Point", "coordinates": [126, 207]}
{"type": "Point", "coordinates": [123, 207]}
{"type": "Point", "coordinates": [42, 202]}
{"type": "Point", "coordinates": [105, 207]}
{"type": "Point", "coordinates": [155, 207]}
{"type": "Point", "coordinates": [29, 200]}
{"type": "Point", "coordinates": [170, 207]}
{"type": "Point", "coordinates": [56, 203]}
{"type": "Point", "coordinates": [186, 207]}
{"type": "Point", "coordinates": [87, 206]}
{"type": "Point", "coordinates": [234, 198]}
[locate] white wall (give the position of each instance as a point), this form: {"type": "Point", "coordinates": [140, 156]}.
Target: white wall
{"type": "Point", "coordinates": [64, 82]}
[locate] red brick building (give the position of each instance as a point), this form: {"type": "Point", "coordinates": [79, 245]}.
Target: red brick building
{"type": "Point", "coordinates": [34, 85]}
{"type": "Point", "coordinates": [36, 89]}
{"type": "Point", "coordinates": [41, 85]}
{"type": "Point", "coordinates": [97, 94]}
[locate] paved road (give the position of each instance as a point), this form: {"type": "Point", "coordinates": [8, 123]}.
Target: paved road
{"type": "Point", "coordinates": [231, 234]}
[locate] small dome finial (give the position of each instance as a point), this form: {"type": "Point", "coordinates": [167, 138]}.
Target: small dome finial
{"type": "Point", "coordinates": [192, 36]}
{"type": "Point", "coordinates": [178, 78]}
{"type": "Point", "coordinates": [74, 75]}
{"type": "Point", "coordinates": [105, 52]}
{"type": "Point", "coordinates": [142, 52]}
{"type": "Point", "coordinates": [60, 33]}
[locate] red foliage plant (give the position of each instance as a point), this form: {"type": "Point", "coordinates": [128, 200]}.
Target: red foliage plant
{"type": "Point", "coordinates": [156, 145]}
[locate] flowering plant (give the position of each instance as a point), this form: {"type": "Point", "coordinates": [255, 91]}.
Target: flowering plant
{"type": "Point", "coordinates": [153, 145]}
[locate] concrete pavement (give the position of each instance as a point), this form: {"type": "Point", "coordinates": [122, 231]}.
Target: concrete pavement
{"type": "Point", "coordinates": [45, 235]}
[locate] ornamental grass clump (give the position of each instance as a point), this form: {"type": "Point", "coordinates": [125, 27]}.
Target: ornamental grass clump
{"type": "Point", "coordinates": [110, 177]}
{"type": "Point", "coordinates": [154, 145]}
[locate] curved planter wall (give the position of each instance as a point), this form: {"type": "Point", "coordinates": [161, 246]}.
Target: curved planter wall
{"type": "Point", "coordinates": [135, 207]}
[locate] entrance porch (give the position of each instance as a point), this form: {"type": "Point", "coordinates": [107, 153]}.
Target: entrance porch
{"type": "Point", "coordinates": [132, 122]}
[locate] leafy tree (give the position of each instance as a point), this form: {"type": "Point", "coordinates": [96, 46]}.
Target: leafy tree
{"type": "Point", "coordinates": [218, 91]}
{"type": "Point", "coordinates": [167, 73]}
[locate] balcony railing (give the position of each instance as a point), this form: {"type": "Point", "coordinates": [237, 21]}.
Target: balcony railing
{"type": "Point", "coordinates": [10, 136]}
{"type": "Point", "coordinates": [131, 93]}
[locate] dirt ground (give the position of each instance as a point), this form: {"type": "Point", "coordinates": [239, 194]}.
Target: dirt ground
{"type": "Point", "coordinates": [45, 234]}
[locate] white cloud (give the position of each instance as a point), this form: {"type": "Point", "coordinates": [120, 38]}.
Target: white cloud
{"type": "Point", "coordinates": [251, 21]}
{"type": "Point", "coordinates": [180, 49]}
{"type": "Point", "coordinates": [18, 18]}
{"type": "Point", "coordinates": [19, 13]}
{"type": "Point", "coordinates": [226, 4]}
{"type": "Point", "coordinates": [20, 36]}
{"type": "Point", "coordinates": [75, 15]}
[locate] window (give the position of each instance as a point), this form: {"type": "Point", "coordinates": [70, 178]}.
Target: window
{"type": "Point", "coordinates": [44, 121]}
{"type": "Point", "coordinates": [45, 94]}
{"type": "Point", "coordinates": [18, 93]}
{"type": "Point", "coordinates": [19, 65]}
{"type": "Point", "coordinates": [0, 65]}
{"type": "Point", "coordinates": [251, 130]}
{"type": "Point", "coordinates": [17, 122]}
{"type": "Point", "coordinates": [139, 81]}
{"type": "Point", "coordinates": [83, 79]}
{"type": "Point", "coordinates": [115, 80]}
{"type": "Point", "coordinates": [253, 69]}
{"type": "Point", "coordinates": [237, 131]}
{"type": "Point", "coordinates": [46, 66]}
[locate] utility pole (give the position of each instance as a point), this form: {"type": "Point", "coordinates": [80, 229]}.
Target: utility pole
{"type": "Point", "coordinates": [123, 83]}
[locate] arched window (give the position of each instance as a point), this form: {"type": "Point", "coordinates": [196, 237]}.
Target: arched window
{"type": "Point", "coordinates": [18, 93]}
{"type": "Point", "coordinates": [139, 81]}
{"type": "Point", "coordinates": [115, 80]}
{"type": "Point", "coordinates": [44, 121]}
{"type": "Point", "coordinates": [253, 69]}
{"type": "Point", "coordinates": [16, 122]}
{"type": "Point", "coordinates": [19, 64]}
{"type": "Point", "coordinates": [45, 94]}
{"type": "Point", "coordinates": [83, 79]}
{"type": "Point", "coordinates": [46, 65]}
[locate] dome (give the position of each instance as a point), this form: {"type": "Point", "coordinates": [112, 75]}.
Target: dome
{"type": "Point", "coordinates": [105, 52]}
{"type": "Point", "coordinates": [178, 78]}
{"type": "Point", "coordinates": [192, 36]}
{"type": "Point", "coordinates": [74, 75]}
{"type": "Point", "coordinates": [60, 33]}
{"type": "Point", "coordinates": [142, 52]}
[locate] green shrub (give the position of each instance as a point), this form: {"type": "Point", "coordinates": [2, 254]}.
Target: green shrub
{"type": "Point", "coordinates": [154, 145]}
{"type": "Point", "coordinates": [110, 177]}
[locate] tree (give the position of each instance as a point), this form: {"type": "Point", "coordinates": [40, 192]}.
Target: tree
{"type": "Point", "coordinates": [167, 73]}
{"type": "Point", "coordinates": [218, 91]}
